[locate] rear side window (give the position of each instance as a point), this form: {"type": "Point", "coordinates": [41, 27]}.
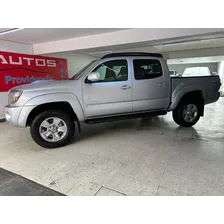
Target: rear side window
{"type": "Point", "coordinates": [147, 69]}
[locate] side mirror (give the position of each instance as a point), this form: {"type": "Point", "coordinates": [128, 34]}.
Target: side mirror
{"type": "Point", "coordinates": [93, 77]}
{"type": "Point", "coordinates": [214, 73]}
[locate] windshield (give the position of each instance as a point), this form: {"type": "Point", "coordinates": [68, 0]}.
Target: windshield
{"type": "Point", "coordinates": [197, 71]}
{"type": "Point", "coordinates": [77, 75]}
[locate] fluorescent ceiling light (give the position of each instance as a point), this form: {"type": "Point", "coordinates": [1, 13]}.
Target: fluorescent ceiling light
{"type": "Point", "coordinates": [181, 42]}
{"type": "Point", "coordinates": [99, 52]}
{"type": "Point", "coordinates": [10, 30]}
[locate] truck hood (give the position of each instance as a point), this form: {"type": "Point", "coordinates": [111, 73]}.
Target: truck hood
{"type": "Point", "coordinates": [48, 85]}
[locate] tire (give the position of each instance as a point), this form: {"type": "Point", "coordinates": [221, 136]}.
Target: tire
{"type": "Point", "coordinates": [179, 114]}
{"type": "Point", "coordinates": [56, 135]}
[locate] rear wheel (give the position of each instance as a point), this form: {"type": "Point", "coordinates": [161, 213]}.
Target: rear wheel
{"type": "Point", "coordinates": [187, 113]}
{"type": "Point", "coordinates": [52, 129]}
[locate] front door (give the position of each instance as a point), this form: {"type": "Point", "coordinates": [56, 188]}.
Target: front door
{"type": "Point", "coordinates": [112, 94]}
{"type": "Point", "coordinates": [151, 87]}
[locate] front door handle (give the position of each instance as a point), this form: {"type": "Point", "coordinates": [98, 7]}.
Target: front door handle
{"type": "Point", "coordinates": [162, 84]}
{"type": "Point", "coordinates": [125, 87]}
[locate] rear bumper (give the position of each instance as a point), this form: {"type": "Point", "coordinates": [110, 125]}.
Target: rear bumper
{"type": "Point", "coordinates": [213, 99]}
{"type": "Point", "coordinates": [219, 95]}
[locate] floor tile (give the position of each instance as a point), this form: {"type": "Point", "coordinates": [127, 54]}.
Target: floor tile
{"type": "Point", "coordinates": [108, 192]}
{"type": "Point", "coordinates": [130, 186]}
{"type": "Point", "coordinates": [162, 191]}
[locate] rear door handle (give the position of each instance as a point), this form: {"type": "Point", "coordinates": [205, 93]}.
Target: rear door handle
{"type": "Point", "coordinates": [125, 87]}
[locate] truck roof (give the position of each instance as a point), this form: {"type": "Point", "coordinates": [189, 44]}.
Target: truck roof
{"type": "Point", "coordinates": [129, 54]}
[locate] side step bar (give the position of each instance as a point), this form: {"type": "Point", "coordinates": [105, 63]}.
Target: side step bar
{"type": "Point", "coordinates": [123, 117]}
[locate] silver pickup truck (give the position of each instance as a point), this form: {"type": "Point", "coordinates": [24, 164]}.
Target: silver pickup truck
{"type": "Point", "coordinates": [118, 86]}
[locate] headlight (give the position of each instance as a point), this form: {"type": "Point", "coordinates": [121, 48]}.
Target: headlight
{"type": "Point", "coordinates": [14, 96]}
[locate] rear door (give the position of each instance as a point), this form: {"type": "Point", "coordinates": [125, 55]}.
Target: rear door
{"type": "Point", "coordinates": [151, 85]}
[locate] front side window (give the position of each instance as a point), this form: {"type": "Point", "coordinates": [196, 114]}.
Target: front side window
{"type": "Point", "coordinates": [147, 69]}
{"type": "Point", "coordinates": [79, 74]}
{"type": "Point", "coordinates": [116, 70]}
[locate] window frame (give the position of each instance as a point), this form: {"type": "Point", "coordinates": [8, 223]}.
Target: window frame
{"type": "Point", "coordinates": [108, 60]}
{"type": "Point", "coordinates": [147, 59]}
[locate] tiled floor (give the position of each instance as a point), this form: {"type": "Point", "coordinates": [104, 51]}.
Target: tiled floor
{"type": "Point", "coordinates": [133, 157]}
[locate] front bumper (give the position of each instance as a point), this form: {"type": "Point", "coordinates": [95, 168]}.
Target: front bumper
{"type": "Point", "coordinates": [18, 115]}
{"type": "Point", "coordinates": [12, 114]}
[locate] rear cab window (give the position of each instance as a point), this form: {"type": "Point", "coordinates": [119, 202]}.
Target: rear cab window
{"type": "Point", "coordinates": [147, 69]}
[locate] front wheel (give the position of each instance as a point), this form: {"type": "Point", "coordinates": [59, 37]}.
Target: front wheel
{"type": "Point", "coordinates": [52, 129]}
{"type": "Point", "coordinates": [187, 113]}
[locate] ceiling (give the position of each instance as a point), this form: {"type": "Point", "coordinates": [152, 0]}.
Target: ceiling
{"type": "Point", "coordinates": [210, 43]}
{"type": "Point", "coordinates": [4, 29]}
{"type": "Point", "coordinates": [214, 59]}
{"type": "Point", "coordinates": [158, 48]}
{"type": "Point", "coordinates": [41, 35]}
{"type": "Point", "coordinates": [166, 48]}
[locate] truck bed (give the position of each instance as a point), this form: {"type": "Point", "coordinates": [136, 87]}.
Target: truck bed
{"type": "Point", "coordinates": [208, 85]}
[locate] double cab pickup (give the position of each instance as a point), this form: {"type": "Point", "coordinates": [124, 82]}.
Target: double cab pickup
{"type": "Point", "coordinates": [118, 86]}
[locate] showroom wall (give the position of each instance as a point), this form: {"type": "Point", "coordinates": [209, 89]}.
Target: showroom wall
{"type": "Point", "coordinates": [17, 48]}
{"type": "Point", "coordinates": [75, 61]}
{"type": "Point", "coordinates": [181, 67]}
{"type": "Point", "coordinates": [221, 70]}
